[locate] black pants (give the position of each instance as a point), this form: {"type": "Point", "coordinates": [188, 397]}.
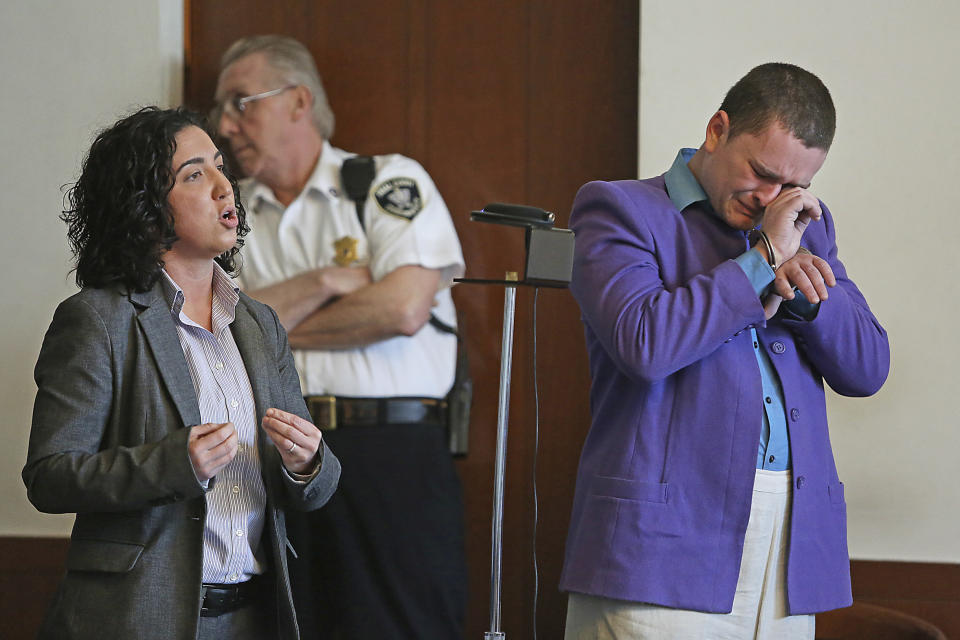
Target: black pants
{"type": "Point", "coordinates": [384, 559]}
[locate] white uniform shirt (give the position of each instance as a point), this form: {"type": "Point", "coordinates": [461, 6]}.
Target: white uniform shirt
{"type": "Point", "coordinates": [284, 242]}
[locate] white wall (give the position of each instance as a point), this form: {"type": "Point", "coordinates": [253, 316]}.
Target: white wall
{"type": "Point", "coordinates": [69, 68]}
{"type": "Point", "coordinates": [889, 179]}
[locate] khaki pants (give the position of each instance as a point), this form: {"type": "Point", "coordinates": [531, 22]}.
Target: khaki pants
{"type": "Point", "coordinates": [759, 607]}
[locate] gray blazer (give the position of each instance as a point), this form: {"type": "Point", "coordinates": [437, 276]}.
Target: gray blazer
{"type": "Point", "coordinates": [108, 443]}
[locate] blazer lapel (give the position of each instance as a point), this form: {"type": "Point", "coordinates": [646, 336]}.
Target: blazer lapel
{"type": "Point", "coordinates": [256, 358]}
{"type": "Point", "coordinates": [161, 334]}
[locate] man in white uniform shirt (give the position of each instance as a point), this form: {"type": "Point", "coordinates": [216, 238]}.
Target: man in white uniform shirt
{"type": "Point", "coordinates": [385, 558]}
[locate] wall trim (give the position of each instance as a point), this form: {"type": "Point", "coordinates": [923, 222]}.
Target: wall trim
{"type": "Point", "coordinates": [31, 569]}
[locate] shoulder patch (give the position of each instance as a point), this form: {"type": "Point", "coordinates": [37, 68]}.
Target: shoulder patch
{"type": "Point", "coordinates": [399, 197]}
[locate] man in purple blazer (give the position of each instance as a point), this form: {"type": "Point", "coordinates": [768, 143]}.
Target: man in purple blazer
{"type": "Point", "coordinates": [715, 307]}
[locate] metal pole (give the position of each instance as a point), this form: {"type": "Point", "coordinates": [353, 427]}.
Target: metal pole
{"type": "Point", "coordinates": [506, 358]}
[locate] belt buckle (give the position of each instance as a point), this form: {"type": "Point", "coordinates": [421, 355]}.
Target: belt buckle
{"type": "Point", "coordinates": [331, 402]}
{"type": "Point", "coordinates": [204, 610]}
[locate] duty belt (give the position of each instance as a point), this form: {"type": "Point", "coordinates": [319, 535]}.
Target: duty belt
{"type": "Point", "coordinates": [338, 412]}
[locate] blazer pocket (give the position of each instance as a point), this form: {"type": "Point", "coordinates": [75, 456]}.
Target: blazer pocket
{"type": "Point", "coordinates": [103, 555]}
{"type": "Point", "coordinates": [626, 489]}
{"type": "Point", "coordinates": [836, 493]}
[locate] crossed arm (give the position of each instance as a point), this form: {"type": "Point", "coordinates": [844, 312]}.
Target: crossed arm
{"type": "Point", "coordinates": [341, 307]}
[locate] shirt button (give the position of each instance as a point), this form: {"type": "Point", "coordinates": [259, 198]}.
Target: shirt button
{"type": "Point", "coordinates": [778, 347]}
{"type": "Point", "coordinates": [232, 577]}
{"type": "Point", "coordinates": [768, 399]}
{"type": "Point", "coordinates": [234, 404]}
{"type": "Point", "coordinates": [239, 533]}
{"type": "Point", "coordinates": [219, 365]}
{"type": "Point", "coordinates": [794, 414]}
{"type": "Point", "coordinates": [772, 458]}
{"type": "Point", "coordinates": [800, 482]}
{"type": "Point", "coordinates": [236, 489]}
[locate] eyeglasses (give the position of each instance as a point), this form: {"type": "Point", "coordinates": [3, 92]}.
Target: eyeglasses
{"type": "Point", "coordinates": [235, 106]}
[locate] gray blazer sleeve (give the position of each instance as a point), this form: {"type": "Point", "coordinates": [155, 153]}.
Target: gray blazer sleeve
{"type": "Point", "coordinates": [315, 493]}
{"type": "Point", "coordinates": [86, 452]}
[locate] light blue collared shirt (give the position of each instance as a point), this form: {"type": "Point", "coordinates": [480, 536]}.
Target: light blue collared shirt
{"type": "Point", "coordinates": [773, 452]}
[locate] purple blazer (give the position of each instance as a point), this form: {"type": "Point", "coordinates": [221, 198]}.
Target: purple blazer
{"type": "Point", "coordinates": [666, 475]}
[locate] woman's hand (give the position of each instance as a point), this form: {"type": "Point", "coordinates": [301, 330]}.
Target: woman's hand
{"type": "Point", "coordinates": [211, 447]}
{"type": "Point", "coordinates": [296, 439]}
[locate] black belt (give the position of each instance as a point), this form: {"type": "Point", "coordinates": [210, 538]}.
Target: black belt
{"type": "Point", "coordinates": [224, 598]}
{"type": "Point", "coordinates": [337, 412]}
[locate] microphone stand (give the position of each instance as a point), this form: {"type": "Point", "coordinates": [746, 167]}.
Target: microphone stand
{"type": "Point", "coordinates": [510, 284]}
{"type": "Point", "coordinates": [548, 263]}
{"type": "Point", "coordinates": [503, 409]}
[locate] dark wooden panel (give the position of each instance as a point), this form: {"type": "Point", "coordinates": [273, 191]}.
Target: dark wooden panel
{"type": "Point", "coordinates": [864, 620]}
{"type": "Point", "coordinates": [583, 84]}
{"type": "Point", "coordinates": [891, 580]}
{"type": "Point", "coordinates": [514, 101]}
{"type": "Point", "coordinates": [476, 151]}
{"type": "Point", "coordinates": [362, 49]}
{"type": "Point", "coordinates": [928, 590]}
{"type": "Point", "coordinates": [30, 570]}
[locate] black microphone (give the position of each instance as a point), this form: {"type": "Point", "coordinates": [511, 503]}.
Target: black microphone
{"type": "Point", "coordinates": [516, 215]}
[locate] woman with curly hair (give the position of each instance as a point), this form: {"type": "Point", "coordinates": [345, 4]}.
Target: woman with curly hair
{"type": "Point", "coordinates": [152, 381]}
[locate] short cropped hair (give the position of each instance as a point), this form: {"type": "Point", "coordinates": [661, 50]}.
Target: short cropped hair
{"type": "Point", "coordinates": [787, 94]}
{"type": "Point", "coordinates": [294, 64]}
{"type": "Point", "coordinates": [119, 222]}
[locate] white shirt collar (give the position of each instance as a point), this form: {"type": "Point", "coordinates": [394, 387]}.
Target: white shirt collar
{"type": "Point", "coordinates": [225, 290]}
{"type": "Point", "coordinates": [323, 181]}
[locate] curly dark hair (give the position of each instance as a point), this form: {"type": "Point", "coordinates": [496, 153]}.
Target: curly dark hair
{"type": "Point", "coordinates": [119, 222]}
